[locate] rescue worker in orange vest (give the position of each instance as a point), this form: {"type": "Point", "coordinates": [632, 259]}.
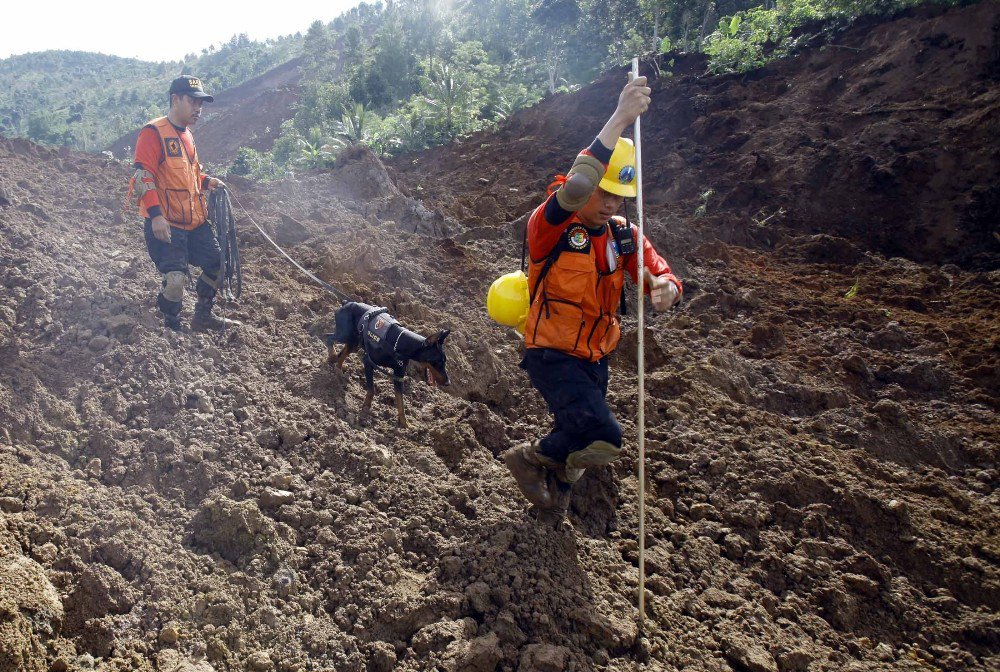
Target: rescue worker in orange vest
{"type": "Point", "coordinates": [170, 188]}
{"type": "Point", "coordinates": [579, 253]}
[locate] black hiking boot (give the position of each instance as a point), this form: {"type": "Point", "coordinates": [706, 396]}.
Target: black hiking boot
{"type": "Point", "coordinates": [204, 320]}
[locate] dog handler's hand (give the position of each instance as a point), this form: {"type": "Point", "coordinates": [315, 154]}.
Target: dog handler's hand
{"type": "Point", "coordinates": [161, 229]}
{"type": "Point", "coordinates": [662, 291]}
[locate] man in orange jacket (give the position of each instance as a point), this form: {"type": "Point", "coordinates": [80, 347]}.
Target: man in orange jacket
{"type": "Point", "coordinates": [170, 188]}
{"type": "Point", "coordinates": [579, 252]}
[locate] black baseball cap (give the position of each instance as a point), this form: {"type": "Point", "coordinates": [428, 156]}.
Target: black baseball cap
{"type": "Point", "coordinates": [190, 85]}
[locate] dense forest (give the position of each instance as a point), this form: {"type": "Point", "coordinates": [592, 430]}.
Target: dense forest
{"type": "Point", "coordinates": [410, 74]}
{"type": "Point", "coordinates": [85, 100]}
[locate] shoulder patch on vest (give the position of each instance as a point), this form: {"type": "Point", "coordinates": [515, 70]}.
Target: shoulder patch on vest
{"type": "Point", "coordinates": [578, 238]}
{"type": "Point", "coordinates": [173, 146]}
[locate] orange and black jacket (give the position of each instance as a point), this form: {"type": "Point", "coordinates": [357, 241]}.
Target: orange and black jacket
{"type": "Point", "coordinates": [574, 302]}
{"type": "Point", "coordinates": [169, 153]}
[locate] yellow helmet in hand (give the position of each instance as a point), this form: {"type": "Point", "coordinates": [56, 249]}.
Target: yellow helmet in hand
{"type": "Point", "coordinates": [507, 300]}
{"type": "Point", "coordinates": [619, 178]}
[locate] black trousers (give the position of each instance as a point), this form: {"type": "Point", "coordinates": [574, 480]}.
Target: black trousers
{"type": "Point", "coordinates": [575, 391]}
{"type": "Point", "coordinates": [197, 247]}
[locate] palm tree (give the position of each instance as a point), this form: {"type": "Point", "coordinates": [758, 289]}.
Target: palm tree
{"type": "Point", "coordinates": [446, 97]}
{"type": "Point", "coordinates": [317, 151]}
{"type": "Point", "coordinates": [353, 126]}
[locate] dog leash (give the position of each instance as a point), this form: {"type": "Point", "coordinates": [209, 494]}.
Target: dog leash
{"type": "Point", "coordinates": [322, 283]}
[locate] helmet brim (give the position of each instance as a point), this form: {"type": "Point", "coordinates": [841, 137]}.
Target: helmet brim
{"type": "Point", "coordinates": [618, 189]}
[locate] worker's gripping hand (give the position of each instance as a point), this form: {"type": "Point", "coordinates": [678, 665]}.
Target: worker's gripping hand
{"type": "Point", "coordinates": [633, 101]}
{"type": "Point", "coordinates": [662, 291]}
{"type": "Point", "coordinates": [161, 229]}
{"type": "Point", "coordinates": [215, 183]}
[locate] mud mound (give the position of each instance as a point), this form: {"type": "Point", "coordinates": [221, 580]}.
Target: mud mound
{"type": "Point", "coordinates": [822, 447]}
{"type": "Point", "coordinates": [30, 609]}
{"type": "Point", "coordinates": [882, 136]}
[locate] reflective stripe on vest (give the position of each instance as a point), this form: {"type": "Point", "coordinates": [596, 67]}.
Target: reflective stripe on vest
{"type": "Point", "coordinates": [574, 307]}
{"type": "Point", "coordinates": [178, 180]}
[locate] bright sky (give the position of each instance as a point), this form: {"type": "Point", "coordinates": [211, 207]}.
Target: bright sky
{"type": "Point", "coordinates": [152, 31]}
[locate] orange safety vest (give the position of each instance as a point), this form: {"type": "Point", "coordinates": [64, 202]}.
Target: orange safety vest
{"type": "Point", "coordinates": [573, 304]}
{"type": "Point", "coordinates": [178, 180]}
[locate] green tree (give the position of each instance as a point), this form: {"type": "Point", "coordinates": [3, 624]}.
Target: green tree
{"type": "Point", "coordinates": [554, 20]}
{"type": "Point", "coordinates": [354, 126]}
{"type": "Point", "coordinates": [317, 47]}
{"type": "Point", "coordinates": [317, 150]}
{"type": "Point", "coordinates": [448, 100]}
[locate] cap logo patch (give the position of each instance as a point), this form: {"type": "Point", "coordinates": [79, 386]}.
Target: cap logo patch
{"type": "Point", "coordinates": [173, 147]}
{"type": "Point", "coordinates": [578, 238]}
{"type": "Point", "coordinates": [194, 83]}
{"type": "Point", "coordinates": [626, 174]}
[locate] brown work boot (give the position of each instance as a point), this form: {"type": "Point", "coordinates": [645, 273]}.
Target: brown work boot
{"type": "Point", "coordinates": [595, 454]}
{"type": "Point", "coordinates": [528, 470]}
{"type": "Point", "coordinates": [206, 321]}
{"type": "Point", "coordinates": [562, 494]}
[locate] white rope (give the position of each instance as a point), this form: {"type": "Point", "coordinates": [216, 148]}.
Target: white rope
{"type": "Point", "coordinates": [322, 283]}
{"type": "Point", "coordinates": [641, 422]}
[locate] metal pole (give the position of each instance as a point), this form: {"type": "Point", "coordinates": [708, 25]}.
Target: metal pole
{"type": "Point", "coordinates": [640, 270]}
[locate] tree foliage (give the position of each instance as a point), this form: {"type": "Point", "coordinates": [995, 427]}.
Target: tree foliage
{"type": "Point", "coordinates": [86, 101]}
{"type": "Point", "coordinates": [409, 74]}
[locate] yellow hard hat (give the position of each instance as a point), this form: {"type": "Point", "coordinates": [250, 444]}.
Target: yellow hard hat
{"type": "Point", "coordinates": [619, 178]}
{"type": "Point", "coordinates": [507, 300]}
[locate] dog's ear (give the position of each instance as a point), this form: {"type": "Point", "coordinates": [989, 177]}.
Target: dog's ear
{"type": "Point", "coordinates": [437, 339]}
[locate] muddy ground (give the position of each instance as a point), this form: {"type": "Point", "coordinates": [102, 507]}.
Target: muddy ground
{"type": "Point", "coordinates": [821, 424]}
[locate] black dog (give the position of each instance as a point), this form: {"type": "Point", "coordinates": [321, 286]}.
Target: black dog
{"type": "Point", "coordinates": [385, 342]}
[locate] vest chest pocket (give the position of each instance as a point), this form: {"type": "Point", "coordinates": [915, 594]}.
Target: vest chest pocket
{"type": "Point", "coordinates": [179, 206]}
{"type": "Point", "coordinates": [571, 277]}
{"type": "Point", "coordinates": [611, 291]}
{"type": "Point", "coordinates": [560, 324]}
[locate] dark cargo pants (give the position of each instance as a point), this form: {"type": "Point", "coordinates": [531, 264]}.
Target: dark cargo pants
{"type": "Point", "coordinates": [575, 391]}
{"type": "Point", "coordinates": [197, 247]}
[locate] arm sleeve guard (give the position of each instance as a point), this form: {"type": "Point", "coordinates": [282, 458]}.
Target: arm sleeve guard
{"type": "Point", "coordinates": [581, 181]}
{"type": "Point", "coordinates": [142, 183]}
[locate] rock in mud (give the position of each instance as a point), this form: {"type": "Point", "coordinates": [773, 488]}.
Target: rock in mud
{"type": "Point", "coordinates": [543, 658]}
{"type": "Point", "coordinates": [169, 635]}
{"type": "Point", "coordinates": [272, 498]}
{"type": "Point", "coordinates": [11, 505]}
{"type": "Point", "coordinates": [260, 661]}
{"type": "Point", "coordinates": [234, 530]}
{"type": "Point", "coordinates": [172, 661]}
{"type": "Point", "coordinates": [30, 613]}
{"type": "Point", "coordinates": [482, 654]}
{"type": "Point", "coordinates": [745, 655]}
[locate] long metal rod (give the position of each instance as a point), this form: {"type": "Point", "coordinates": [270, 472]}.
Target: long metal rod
{"type": "Point", "coordinates": [640, 270]}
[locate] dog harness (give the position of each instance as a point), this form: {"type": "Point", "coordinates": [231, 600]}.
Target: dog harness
{"type": "Point", "coordinates": [376, 331]}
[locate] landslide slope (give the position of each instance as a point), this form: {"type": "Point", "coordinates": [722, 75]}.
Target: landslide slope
{"type": "Point", "coordinates": [822, 469]}
{"type": "Point", "coordinates": [248, 115]}
{"type": "Point", "coordinates": [884, 134]}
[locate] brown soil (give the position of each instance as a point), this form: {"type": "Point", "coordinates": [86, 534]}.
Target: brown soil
{"type": "Point", "coordinates": [822, 470]}
{"type": "Point", "coordinates": [886, 136]}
